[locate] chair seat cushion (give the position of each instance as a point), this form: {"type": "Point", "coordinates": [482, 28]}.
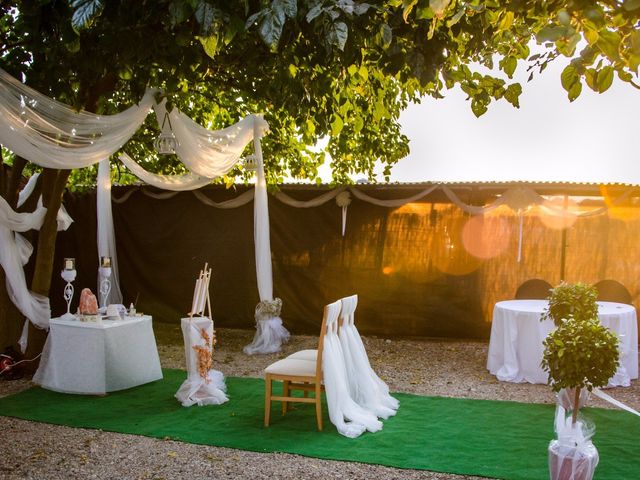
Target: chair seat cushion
{"type": "Point", "coordinates": [305, 355]}
{"type": "Point", "coordinates": [292, 366]}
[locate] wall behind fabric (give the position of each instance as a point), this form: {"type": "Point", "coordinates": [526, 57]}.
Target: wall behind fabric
{"type": "Point", "coordinates": [421, 269]}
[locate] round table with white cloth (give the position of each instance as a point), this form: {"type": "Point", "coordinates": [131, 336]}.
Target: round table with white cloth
{"type": "Point", "coordinates": [515, 347]}
{"type": "Point", "coordinates": [96, 358]}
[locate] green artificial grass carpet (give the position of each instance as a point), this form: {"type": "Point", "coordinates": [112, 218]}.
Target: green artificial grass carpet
{"type": "Point", "coordinates": [505, 440]}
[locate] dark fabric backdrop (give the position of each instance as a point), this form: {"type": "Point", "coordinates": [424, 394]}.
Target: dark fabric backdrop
{"type": "Point", "coordinates": [408, 265]}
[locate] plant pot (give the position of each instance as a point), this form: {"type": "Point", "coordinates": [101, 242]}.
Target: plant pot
{"type": "Point", "coordinates": [572, 463]}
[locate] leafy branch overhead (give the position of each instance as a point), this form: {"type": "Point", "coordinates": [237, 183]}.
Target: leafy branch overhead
{"type": "Point", "coordinates": [340, 70]}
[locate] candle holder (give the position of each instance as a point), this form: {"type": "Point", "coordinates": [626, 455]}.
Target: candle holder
{"type": "Point", "coordinates": [68, 275]}
{"type": "Point", "coordinates": [105, 287]}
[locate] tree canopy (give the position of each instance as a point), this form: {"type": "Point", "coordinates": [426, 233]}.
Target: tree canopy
{"type": "Point", "coordinates": [340, 70]}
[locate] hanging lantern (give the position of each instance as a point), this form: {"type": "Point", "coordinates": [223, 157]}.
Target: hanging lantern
{"type": "Point", "coordinates": [250, 163]}
{"type": "Point", "coordinates": [166, 142]}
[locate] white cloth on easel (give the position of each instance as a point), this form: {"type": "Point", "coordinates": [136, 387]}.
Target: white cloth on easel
{"type": "Point", "coordinates": [208, 389]}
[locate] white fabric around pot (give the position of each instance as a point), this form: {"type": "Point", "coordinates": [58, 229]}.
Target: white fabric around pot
{"type": "Point", "coordinates": [199, 389]}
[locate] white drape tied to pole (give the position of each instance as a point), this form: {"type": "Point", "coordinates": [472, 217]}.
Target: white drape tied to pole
{"type": "Point", "coordinates": [270, 333]}
{"type": "Point", "coordinates": [15, 251]}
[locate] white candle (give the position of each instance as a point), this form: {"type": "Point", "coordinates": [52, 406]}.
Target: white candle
{"type": "Point", "coordinates": [69, 263]}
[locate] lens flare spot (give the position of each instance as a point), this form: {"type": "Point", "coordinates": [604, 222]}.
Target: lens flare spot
{"type": "Point", "coordinates": [559, 213]}
{"type": "Point", "coordinates": [486, 237]}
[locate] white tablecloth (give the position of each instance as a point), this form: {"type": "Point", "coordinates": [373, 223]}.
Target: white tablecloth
{"type": "Point", "coordinates": [515, 348]}
{"type": "Point", "coordinates": [96, 358]}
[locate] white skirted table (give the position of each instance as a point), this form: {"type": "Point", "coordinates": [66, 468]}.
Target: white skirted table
{"type": "Point", "coordinates": [96, 358]}
{"type": "Point", "coordinates": [516, 350]}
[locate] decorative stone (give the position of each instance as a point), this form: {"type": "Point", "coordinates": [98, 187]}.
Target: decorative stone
{"type": "Point", "coordinates": [88, 303]}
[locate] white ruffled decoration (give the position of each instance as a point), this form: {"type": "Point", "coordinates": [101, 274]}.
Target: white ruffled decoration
{"type": "Point", "coordinates": [196, 389]}
{"type": "Point", "coordinates": [177, 183]}
{"type": "Point", "coordinates": [350, 419]}
{"type": "Point", "coordinates": [365, 387]}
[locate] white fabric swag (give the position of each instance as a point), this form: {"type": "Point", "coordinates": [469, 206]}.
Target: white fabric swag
{"type": "Point", "coordinates": [53, 135]}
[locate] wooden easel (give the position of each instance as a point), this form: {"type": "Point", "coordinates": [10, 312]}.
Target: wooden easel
{"type": "Point", "coordinates": [201, 297]}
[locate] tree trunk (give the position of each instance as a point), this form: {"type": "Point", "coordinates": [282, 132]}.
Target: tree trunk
{"type": "Point", "coordinates": [53, 185]}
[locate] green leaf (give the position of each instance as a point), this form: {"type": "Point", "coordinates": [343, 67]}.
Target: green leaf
{"type": "Point", "coordinates": [210, 45]}
{"type": "Point", "coordinates": [569, 77]}
{"type": "Point", "coordinates": [574, 91]}
{"type": "Point", "coordinates": [592, 36]}
{"type": "Point", "coordinates": [456, 18]}
{"type": "Point", "coordinates": [387, 34]}
{"type": "Point", "coordinates": [205, 14]}
{"type": "Point", "coordinates": [84, 12]}
{"type": "Point", "coordinates": [271, 26]}
{"type": "Point", "coordinates": [290, 7]}
{"type": "Point", "coordinates": [439, 7]}
{"type": "Point", "coordinates": [478, 108]}
{"type": "Point", "coordinates": [364, 73]}
{"type": "Point", "coordinates": [590, 76]}
{"type": "Point", "coordinates": [506, 21]}
{"type": "Point", "coordinates": [314, 12]}
{"type": "Point", "coordinates": [609, 43]}
{"type": "Point", "coordinates": [630, 5]}
{"type": "Point", "coordinates": [512, 94]}
{"type": "Point", "coordinates": [508, 65]}
{"type": "Point", "coordinates": [338, 35]}
{"type": "Point", "coordinates": [336, 125]}
{"type": "Point", "coordinates": [407, 6]}
{"type": "Point", "coordinates": [551, 33]}
{"type": "Point", "coordinates": [605, 79]}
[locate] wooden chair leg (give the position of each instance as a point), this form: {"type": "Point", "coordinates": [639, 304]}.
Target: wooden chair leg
{"type": "Point", "coordinates": [319, 406]}
{"type": "Point", "coordinates": [267, 399]}
{"type": "Point", "coordinates": [306, 392]}
{"type": "Point", "coordinates": [285, 393]}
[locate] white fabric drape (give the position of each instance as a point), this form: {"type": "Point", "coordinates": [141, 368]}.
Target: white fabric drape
{"type": "Point", "coordinates": [106, 232]}
{"type": "Point", "coordinates": [270, 333]}
{"type": "Point", "coordinates": [188, 181]}
{"type": "Point", "coordinates": [205, 152]}
{"type": "Point", "coordinates": [51, 134]}
{"type": "Point", "coordinates": [365, 387]}
{"type": "Point", "coordinates": [350, 419]}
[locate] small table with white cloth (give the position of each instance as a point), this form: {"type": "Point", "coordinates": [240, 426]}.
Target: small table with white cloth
{"type": "Point", "coordinates": [96, 358]}
{"type": "Point", "coordinates": [516, 350]}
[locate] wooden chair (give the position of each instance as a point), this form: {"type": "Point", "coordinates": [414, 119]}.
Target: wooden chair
{"type": "Point", "coordinates": [534, 289]}
{"type": "Point", "coordinates": [613, 291]}
{"type": "Point", "coordinates": [300, 374]}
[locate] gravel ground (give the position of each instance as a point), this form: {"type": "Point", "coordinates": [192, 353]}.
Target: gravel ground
{"type": "Point", "coordinates": [451, 368]}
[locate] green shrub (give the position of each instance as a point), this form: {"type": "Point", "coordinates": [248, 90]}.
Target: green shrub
{"type": "Point", "coordinates": [576, 300]}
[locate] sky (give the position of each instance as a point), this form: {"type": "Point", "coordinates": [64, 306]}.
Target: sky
{"type": "Point", "coordinates": [596, 138]}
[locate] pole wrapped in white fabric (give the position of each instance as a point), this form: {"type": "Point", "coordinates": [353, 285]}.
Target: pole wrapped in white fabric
{"type": "Point", "coordinates": [53, 135]}
{"type": "Point", "coordinates": [106, 233]}
{"type": "Point", "coordinates": [270, 333]}
{"type": "Point", "coordinates": [365, 387]}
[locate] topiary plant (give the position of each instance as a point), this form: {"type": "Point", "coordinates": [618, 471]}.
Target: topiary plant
{"type": "Point", "coordinates": [580, 353]}
{"type": "Point", "coordinates": [577, 300]}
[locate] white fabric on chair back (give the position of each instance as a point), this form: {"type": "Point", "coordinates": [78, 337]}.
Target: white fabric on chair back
{"type": "Point", "coordinates": [350, 419]}
{"type": "Point", "coordinates": [365, 387]}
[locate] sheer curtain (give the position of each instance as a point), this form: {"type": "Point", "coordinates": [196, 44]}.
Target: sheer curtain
{"type": "Point", "coordinates": [106, 233]}
{"type": "Point", "coordinates": [51, 134]}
